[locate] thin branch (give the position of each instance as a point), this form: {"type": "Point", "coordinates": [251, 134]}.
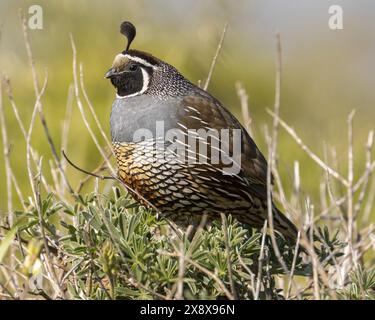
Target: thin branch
{"type": "Point", "coordinates": [369, 145]}
{"type": "Point", "coordinates": [80, 107]}
{"type": "Point", "coordinates": [8, 171]}
{"type": "Point", "coordinates": [370, 202]}
{"type": "Point", "coordinates": [252, 275]}
{"type": "Point", "coordinates": [101, 167]}
{"type": "Point", "coordinates": [214, 60]}
{"type": "Point", "coordinates": [47, 254]}
{"type": "Point", "coordinates": [272, 142]}
{"type": "Point", "coordinates": [306, 243]}
{"type": "Point", "coordinates": [315, 262]}
{"type": "Point", "coordinates": [20, 124]}
{"type": "Point", "coordinates": [357, 185]}
{"type": "Point", "coordinates": [28, 138]}
{"type": "Point", "coordinates": [85, 171]}
{"type": "Point", "coordinates": [314, 157]}
{"type": "Point", "coordinates": [244, 101]}
{"type": "Point", "coordinates": [290, 282]}
{"type": "Point", "coordinates": [350, 205]}
{"type": "Point", "coordinates": [18, 190]}
{"type": "Point", "coordinates": [37, 93]}
{"type": "Point", "coordinates": [66, 124]}
{"type": "Point", "coordinates": [260, 260]}
{"type": "Point", "coordinates": [36, 191]}
{"type": "Point", "coordinates": [6, 152]}
{"type": "Point", "coordinates": [85, 95]}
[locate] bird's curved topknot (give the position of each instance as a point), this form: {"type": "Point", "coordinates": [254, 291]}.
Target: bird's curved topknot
{"type": "Point", "coordinates": [129, 31]}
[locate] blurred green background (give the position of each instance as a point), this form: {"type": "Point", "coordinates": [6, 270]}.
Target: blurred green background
{"type": "Point", "coordinates": [326, 73]}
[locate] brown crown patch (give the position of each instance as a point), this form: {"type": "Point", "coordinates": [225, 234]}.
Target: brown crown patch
{"type": "Point", "coordinates": [120, 62]}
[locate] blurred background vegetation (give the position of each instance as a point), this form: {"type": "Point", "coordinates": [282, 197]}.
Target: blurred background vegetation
{"type": "Point", "coordinates": [326, 73]}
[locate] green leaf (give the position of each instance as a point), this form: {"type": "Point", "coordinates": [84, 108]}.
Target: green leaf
{"type": "Point", "coordinates": [5, 243]}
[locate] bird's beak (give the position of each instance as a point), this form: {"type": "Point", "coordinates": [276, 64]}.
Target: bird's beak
{"type": "Point", "coordinates": [110, 73]}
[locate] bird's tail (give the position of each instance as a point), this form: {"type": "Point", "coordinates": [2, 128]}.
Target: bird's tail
{"type": "Point", "coordinates": [283, 225]}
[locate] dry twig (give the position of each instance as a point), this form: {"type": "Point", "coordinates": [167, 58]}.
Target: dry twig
{"type": "Point", "coordinates": [214, 60]}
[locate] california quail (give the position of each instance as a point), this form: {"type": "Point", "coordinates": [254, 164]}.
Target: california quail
{"type": "Point", "coordinates": [153, 99]}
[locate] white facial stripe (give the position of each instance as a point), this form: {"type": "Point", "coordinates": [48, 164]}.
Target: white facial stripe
{"type": "Point", "coordinates": [146, 81]}
{"type": "Point", "coordinates": [140, 60]}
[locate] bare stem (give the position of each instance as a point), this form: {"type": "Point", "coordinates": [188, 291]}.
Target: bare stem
{"type": "Point", "coordinates": [214, 60]}
{"type": "Point", "coordinates": [272, 153]}
{"type": "Point", "coordinates": [81, 109]}
{"type": "Point", "coordinates": [313, 156]}
{"type": "Point", "coordinates": [244, 101]}
{"type": "Point", "coordinates": [37, 93]}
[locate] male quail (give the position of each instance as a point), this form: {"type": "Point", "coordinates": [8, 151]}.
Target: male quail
{"type": "Point", "coordinates": [151, 93]}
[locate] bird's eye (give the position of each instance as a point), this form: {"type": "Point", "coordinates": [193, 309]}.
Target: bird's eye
{"type": "Point", "coordinates": [133, 67]}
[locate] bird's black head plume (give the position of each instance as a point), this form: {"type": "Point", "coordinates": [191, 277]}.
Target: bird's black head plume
{"type": "Point", "coordinates": [128, 30]}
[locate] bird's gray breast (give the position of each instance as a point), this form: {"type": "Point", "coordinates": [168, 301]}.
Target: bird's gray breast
{"type": "Point", "coordinates": [133, 116]}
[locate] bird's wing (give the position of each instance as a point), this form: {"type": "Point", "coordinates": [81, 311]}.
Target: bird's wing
{"type": "Point", "coordinates": [204, 111]}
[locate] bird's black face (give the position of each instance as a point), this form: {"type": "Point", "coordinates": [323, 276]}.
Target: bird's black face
{"type": "Point", "coordinates": [128, 81]}
{"type": "Point", "coordinates": [130, 74]}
